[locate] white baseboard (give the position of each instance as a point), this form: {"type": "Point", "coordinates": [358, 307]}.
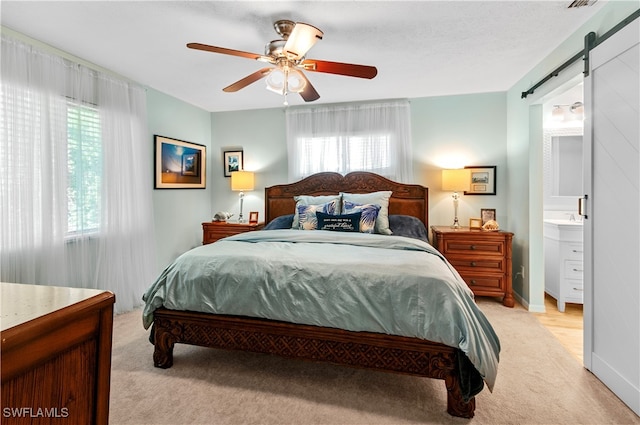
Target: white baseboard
{"type": "Point", "coordinates": [619, 385]}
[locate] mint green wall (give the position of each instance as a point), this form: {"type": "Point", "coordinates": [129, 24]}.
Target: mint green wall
{"type": "Point", "coordinates": [178, 212]}
{"type": "Point", "coordinates": [524, 149]}
{"type": "Point", "coordinates": [454, 131]}
{"type": "Point", "coordinates": [260, 134]}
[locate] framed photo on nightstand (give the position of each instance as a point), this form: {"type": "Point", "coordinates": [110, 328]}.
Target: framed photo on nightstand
{"type": "Point", "coordinates": [487, 214]}
{"type": "Point", "coordinates": [253, 217]}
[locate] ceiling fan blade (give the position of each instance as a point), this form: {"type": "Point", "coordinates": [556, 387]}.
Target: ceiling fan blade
{"type": "Point", "coordinates": [309, 93]}
{"type": "Point", "coordinates": [302, 38]}
{"type": "Point", "coordinates": [348, 69]}
{"type": "Point", "coordinates": [251, 78]}
{"type": "Point", "coordinates": [224, 50]}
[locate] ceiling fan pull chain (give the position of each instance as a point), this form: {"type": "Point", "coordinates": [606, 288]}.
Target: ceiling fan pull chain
{"type": "Point", "coordinates": [285, 88]}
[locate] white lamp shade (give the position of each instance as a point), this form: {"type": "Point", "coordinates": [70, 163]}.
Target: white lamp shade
{"type": "Point", "coordinates": [242, 180]}
{"type": "Point", "coordinates": [457, 180]}
{"type": "Point", "coordinates": [302, 38]}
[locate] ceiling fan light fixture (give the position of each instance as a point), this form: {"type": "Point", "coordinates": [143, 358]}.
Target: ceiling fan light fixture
{"type": "Point", "coordinates": [295, 81]}
{"type": "Point", "coordinates": [301, 39]}
{"type": "Point", "coordinates": [275, 81]}
{"type": "Point", "coordinates": [285, 81]}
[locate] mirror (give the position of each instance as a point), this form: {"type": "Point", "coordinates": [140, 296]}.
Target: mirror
{"type": "Point", "coordinates": [562, 165]}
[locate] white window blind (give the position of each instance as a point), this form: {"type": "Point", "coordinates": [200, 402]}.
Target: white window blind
{"type": "Point", "coordinates": [343, 154]}
{"type": "Point", "coordinates": [373, 137]}
{"type": "Point", "coordinates": [84, 165]}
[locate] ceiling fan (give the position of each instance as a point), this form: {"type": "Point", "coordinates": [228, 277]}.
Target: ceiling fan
{"type": "Point", "coordinates": [288, 57]}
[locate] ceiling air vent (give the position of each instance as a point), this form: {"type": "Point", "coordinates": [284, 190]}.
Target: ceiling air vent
{"type": "Point", "coordinates": [580, 3]}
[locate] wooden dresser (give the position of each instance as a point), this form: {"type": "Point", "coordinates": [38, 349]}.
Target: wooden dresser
{"type": "Point", "coordinates": [56, 354]}
{"type": "Point", "coordinates": [482, 258]}
{"type": "Point", "coordinates": [214, 230]}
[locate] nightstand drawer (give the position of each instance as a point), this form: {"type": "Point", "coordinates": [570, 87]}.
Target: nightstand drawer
{"type": "Point", "coordinates": [475, 247]}
{"type": "Point", "coordinates": [484, 282]}
{"type": "Point", "coordinates": [473, 263]}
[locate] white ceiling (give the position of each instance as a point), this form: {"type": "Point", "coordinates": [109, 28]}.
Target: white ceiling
{"type": "Point", "coordinates": [421, 48]}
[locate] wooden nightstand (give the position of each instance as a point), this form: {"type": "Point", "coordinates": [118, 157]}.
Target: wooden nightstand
{"type": "Point", "coordinates": [482, 258]}
{"type": "Point", "coordinates": [214, 230]}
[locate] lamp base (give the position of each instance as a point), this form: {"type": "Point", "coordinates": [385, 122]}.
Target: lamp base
{"type": "Point", "coordinates": [240, 218]}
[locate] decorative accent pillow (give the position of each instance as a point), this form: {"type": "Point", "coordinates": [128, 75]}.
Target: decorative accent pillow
{"type": "Point", "coordinates": [307, 219]}
{"type": "Point", "coordinates": [282, 222]}
{"type": "Point", "coordinates": [377, 198]}
{"type": "Point", "coordinates": [313, 200]}
{"type": "Point", "coordinates": [408, 226]}
{"type": "Point", "coordinates": [369, 214]}
{"type": "Point", "coordinates": [339, 223]}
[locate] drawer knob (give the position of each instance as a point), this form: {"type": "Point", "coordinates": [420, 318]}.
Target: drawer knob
{"type": "Point", "coordinates": [473, 282]}
{"type": "Point", "coordinates": [472, 247]}
{"type": "Point", "coordinates": [473, 264]}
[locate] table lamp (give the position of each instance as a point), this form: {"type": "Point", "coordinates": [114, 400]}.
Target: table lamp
{"type": "Point", "coordinates": [457, 180]}
{"type": "Point", "coordinates": [242, 181]}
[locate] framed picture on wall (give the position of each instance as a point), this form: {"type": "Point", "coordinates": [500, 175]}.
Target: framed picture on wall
{"type": "Point", "coordinates": [483, 180]}
{"type": "Point", "coordinates": [232, 161]}
{"type": "Point", "coordinates": [179, 164]}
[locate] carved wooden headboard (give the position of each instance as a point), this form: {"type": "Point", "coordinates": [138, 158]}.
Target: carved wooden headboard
{"type": "Point", "coordinates": [407, 199]}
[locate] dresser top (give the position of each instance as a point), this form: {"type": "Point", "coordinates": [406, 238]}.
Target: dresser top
{"type": "Point", "coordinates": [467, 230]}
{"type": "Point", "coordinates": [22, 302]}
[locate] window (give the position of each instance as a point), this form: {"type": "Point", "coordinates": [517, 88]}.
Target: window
{"type": "Point", "coordinates": [84, 168]}
{"type": "Point", "coordinates": [373, 137]}
{"type": "Point", "coordinates": [344, 154]}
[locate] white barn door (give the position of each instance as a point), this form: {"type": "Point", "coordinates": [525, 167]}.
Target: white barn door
{"type": "Point", "coordinates": [612, 226]}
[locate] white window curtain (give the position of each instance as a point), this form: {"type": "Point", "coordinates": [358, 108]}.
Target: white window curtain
{"type": "Point", "coordinates": [75, 177]}
{"type": "Point", "coordinates": [372, 137]}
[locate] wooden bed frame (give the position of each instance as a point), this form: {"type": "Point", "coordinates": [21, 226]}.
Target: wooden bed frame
{"type": "Point", "coordinates": [358, 349]}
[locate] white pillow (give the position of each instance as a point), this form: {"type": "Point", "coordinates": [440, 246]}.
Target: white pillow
{"type": "Point", "coordinates": [381, 198]}
{"type": "Point", "coordinates": [312, 200]}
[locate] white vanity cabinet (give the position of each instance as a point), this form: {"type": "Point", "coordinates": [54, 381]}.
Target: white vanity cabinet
{"type": "Point", "coordinates": [563, 249]}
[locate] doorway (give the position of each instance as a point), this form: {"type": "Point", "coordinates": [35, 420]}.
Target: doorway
{"type": "Point", "coordinates": [562, 156]}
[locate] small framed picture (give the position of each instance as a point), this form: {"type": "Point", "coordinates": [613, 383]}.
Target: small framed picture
{"type": "Point", "coordinates": [483, 180]}
{"type": "Point", "coordinates": [253, 217]}
{"type": "Point", "coordinates": [475, 223]}
{"type": "Point", "coordinates": [487, 214]}
{"type": "Point", "coordinates": [179, 164]}
{"type": "Point", "coordinates": [232, 161]}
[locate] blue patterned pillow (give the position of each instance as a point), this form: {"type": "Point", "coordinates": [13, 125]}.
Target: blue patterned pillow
{"type": "Point", "coordinates": [376, 198]}
{"type": "Point", "coordinates": [307, 219]}
{"type": "Point", "coordinates": [339, 223]}
{"type": "Point", "coordinates": [369, 214]}
{"type": "Point", "coordinates": [311, 200]}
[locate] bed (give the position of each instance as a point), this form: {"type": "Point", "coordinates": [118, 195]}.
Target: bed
{"type": "Point", "coordinates": [461, 349]}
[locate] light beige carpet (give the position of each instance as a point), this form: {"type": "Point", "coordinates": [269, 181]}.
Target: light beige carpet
{"type": "Point", "coordinates": [538, 383]}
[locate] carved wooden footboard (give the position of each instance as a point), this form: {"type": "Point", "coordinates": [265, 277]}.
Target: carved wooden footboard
{"type": "Point", "coordinates": [358, 349]}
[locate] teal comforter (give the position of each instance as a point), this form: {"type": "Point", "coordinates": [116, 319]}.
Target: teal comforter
{"type": "Point", "coordinates": [353, 281]}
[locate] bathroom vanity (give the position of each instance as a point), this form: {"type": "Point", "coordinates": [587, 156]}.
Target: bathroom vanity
{"type": "Point", "coordinates": [563, 252]}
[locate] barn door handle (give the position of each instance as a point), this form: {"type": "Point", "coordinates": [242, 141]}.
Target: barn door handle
{"type": "Point", "coordinates": [582, 206]}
